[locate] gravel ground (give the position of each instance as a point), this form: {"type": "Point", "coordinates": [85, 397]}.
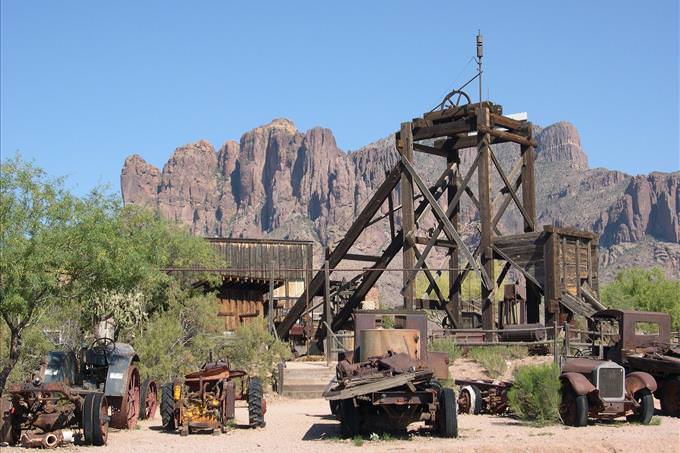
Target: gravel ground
{"type": "Point", "coordinates": [305, 426]}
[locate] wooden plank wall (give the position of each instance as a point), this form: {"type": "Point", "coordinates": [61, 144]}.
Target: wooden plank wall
{"type": "Point", "coordinates": [253, 258]}
{"type": "Point", "coordinates": [239, 306]}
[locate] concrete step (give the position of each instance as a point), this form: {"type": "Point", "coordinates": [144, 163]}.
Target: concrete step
{"type": "Point", "coordinates": [304, 388]}
{"type": "Point", "coordinates": [300, 381]}
{"type": "Point", "coordinates": [302, 394]}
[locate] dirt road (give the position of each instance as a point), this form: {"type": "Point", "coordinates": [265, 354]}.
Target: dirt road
{"type": "Point", "coordinates": [298, 426]}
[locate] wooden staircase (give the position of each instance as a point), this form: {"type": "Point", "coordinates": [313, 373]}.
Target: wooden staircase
{"type": "Point", "coordinates": [306, 380]}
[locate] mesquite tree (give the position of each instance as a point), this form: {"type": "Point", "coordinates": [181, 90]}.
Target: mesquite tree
{"type": "Point", "coordinates": [81, 256]}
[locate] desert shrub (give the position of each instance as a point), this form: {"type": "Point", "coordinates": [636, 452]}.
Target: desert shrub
{"type": "Point", "coordinates": [179, 339]}
{"type": "Point", "coordinates": [494, 358]}
{"type": "Point", "coordinates": [255, 350]}
{"type": "Point", "coordinates": [646, 290]}
{"type": "Point", "coordinates": [447, 345]}
{"type": "Point", "coordinates": [535, 394]}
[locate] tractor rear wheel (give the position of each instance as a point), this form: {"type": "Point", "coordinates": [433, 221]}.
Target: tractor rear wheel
{"type": "Point", "coordinates": [256, 404]}
{"type": "Point", "coordinates": [95, 419]}
{"type": "Point", "coordinates": [447, 414]}
{"type": "Point", "coordinates": [645, 412]}
{"type": "Point", "coordinates": [168, 408]}
{"type": "Point", "coordinates": [573, 408]}
{"type": "Point", "coordinates": [148, 399]}
{"type": "Point", "coordinates": [128, 412]}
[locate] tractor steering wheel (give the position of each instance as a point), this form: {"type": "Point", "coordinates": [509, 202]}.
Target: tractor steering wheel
{"type": "Point", "coordinates": [101, 346]}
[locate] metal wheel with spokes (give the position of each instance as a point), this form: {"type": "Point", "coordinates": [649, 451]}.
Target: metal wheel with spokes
{"type": "Point", "coordinates": [128, 414]}
{"type": "Point", "coordinates": [148, 399]}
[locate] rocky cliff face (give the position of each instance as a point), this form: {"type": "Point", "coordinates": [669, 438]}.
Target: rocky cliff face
{"type": "Point", "coordinates": [281, 182]}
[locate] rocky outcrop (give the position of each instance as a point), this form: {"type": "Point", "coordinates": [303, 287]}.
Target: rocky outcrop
{"type": "Point", "coordinates": [561, 142]}
{"type": "Point", "coordinates": [284, 183]}
{"type": "Point", "coordinates": [649, 207]}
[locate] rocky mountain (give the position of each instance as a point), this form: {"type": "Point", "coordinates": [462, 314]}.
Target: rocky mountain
{"type": "Point", "coordinates": [284, 183]}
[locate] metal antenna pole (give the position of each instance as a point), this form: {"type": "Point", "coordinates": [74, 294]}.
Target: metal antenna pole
{"type": "Point", "coordinates": [480, 55]}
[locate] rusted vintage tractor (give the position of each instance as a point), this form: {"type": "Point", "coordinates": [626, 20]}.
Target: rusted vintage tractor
{"type": "Point", "coordinates": [109, 367]}
{"type": "Point", "coordinates": [76, 399]}
{"type": "Point", "coordinates": [205, 400]}
{"type": "Point", "coordinates": [601, 389]}
{"type": "Point", "coordinates": [48, 415]}
{"type": "Point", "coordinates": [387, 384]}
{"type": "Point", "coordinates": [641, 341]}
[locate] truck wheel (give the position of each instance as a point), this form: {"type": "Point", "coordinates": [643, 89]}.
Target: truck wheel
{"type": "Point", "coordinates": [646, 410]}
{"type": "Point", "coordinates": [574, 408]}
{"type": "Point", "coordinates": [335, 408]}
{"type": "Point", "coordinates": [470, 400]}
{"type": "Point", "coordinates": [670, 398]}
{"type": "Point", "coordinates": [148, 399]}
{"type": "Point", "coordinates": [95, 419]}
{"type": "Point", "coordinates": [168, 408]}
{"type": "Point", "coordinates": [350, 419]}
{"type": "Point", "coordinates": [447, 414]}
{"type": "Point", "coordinates": [255, 403]}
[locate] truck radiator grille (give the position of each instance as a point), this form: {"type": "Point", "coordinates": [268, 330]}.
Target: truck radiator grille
{"type": "Point", "coordinates": [610, 382]}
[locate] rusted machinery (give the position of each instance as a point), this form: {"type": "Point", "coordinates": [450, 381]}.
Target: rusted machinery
{"type": "Point", "coordinates": [109, 367]}
{"type": "Point", "coordinates": [641, 341]}
{"type": "Point", "coordinates": [391, 381]}
{"type": "Point", "coordinates": [482, 396]}
{"type": "Point", "coordinates": [50, 414]}
{"type": "Point", "coordinates": [205, 400]}
{"type": "Point", "coordinates": [76, 399]}
{"type": "Point", "coordinates": [601, 389]}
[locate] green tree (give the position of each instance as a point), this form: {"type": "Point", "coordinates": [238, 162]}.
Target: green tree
{"type": "Point", "coordinates": [83, 255]}
{"type": "Point", "coordinates": [646, 290]}
{"type": "Point", "coordinates": [35, 212]}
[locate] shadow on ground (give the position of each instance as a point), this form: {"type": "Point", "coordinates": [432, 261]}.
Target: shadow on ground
{"type": "Point", "coordinates": [322, 431]}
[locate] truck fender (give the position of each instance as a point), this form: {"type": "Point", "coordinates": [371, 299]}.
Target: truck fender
{"type": "Point", "coordinates": [639, 380]}
{"type": "Point", "coordinates": [578, 382]}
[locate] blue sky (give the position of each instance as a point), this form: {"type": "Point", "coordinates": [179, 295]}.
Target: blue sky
{"type": "Point", "coordinates": [84, 84]}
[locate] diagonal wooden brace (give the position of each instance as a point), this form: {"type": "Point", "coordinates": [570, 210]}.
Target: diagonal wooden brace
{"type": "Point", "coordinates": [444, 221]}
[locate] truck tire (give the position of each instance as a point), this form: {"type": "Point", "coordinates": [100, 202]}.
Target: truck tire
{"type": "Point", "coordinates": [670, 397]}
{"type": "Point", "coordinates": [573, 408]}
{"type": "Point", "coordinates": [95, 419]}
{"type": "Point", "coordinates": [168, 408]}
{"type": "Point", "coordinates": [255, 404]}
{"type": "Point", "coordinates": [645, 412]}
{"type": "Point", "coordinates": [350, 419]}
{"type": "Point", "coordinates": [447, 414]}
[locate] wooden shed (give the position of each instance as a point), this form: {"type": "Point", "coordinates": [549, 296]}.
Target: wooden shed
{"type": "Point", "coordinates": [560, 264]}
{"type": "Point", "coordinates": [254, 267]}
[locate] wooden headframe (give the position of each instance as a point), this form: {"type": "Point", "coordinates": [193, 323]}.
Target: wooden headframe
{"type": "Point", "coordinates": [447, 131]}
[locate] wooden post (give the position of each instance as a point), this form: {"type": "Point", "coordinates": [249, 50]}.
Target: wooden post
{"type": "Point", "coordinates": [484, 194]}
{"type": "Point", "coordinates": [556, 352]}
{"type": "Point", "coordinates": [327, 310]}
{"type": "Point", "coordinates": [528, 184]}
{"type": "Point", "coordinates": [407, 215]}
{"type": "Point", "coordinates": [270, 302]}
{"type": "Point", "coordinates": [567, 346]}
{"type": "Point", "coordinates": [451, 189]}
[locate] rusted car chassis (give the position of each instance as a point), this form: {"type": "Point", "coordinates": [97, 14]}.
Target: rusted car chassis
{"type": "Point", "coordinates": [48, 415]}
{"type": "Point", "coordinates": [477, 396]}
{"type": "Point", "coordinates": [389, 393]}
